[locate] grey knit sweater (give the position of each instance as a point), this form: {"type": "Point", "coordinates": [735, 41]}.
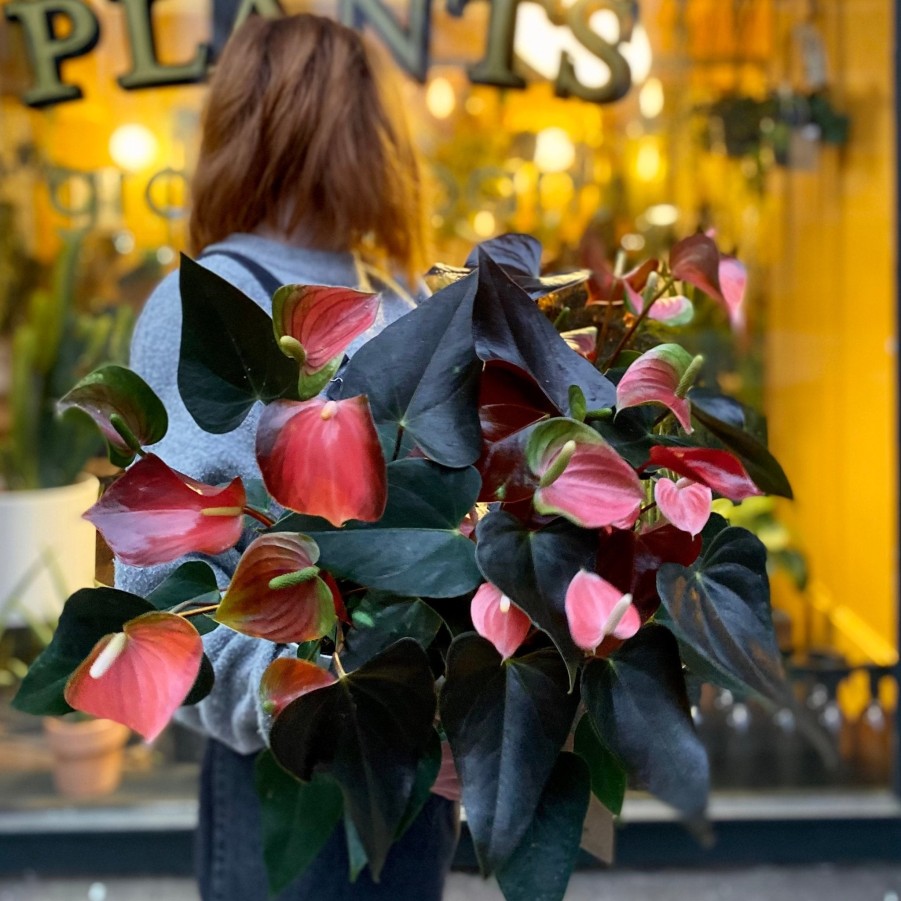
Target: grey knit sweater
{"type": "Point", "coordinates": [231, 713]}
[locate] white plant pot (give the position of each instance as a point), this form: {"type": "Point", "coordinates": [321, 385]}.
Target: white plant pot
{"type": "Point", "coordinates": [48, 550]}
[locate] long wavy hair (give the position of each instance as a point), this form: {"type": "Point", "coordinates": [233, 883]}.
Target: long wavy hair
{"type": "Point", "coordinates": [304, 134]}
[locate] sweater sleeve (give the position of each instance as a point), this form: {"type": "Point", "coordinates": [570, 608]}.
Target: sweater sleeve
{"type": "Point", "coordinates": [231, 713]}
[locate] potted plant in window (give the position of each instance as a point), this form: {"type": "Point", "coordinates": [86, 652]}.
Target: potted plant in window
{"type": "Point", "coordinates": [493, 534]}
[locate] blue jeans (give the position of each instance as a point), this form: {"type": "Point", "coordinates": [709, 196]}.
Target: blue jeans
{"type": "Point", "coordinates": [230, 855]}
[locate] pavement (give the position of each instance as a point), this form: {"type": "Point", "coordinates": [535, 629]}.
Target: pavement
{"type": "Point", "coordinates": [877, 882]}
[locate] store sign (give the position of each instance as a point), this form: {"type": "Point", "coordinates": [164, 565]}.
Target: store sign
{"type": "Point", "coordinates": [58, 30]}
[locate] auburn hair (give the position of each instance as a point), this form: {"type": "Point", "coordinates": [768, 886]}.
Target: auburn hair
{"type": "Point", "coordinates": [304, 133]}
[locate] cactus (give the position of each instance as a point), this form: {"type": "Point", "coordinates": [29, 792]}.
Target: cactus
{"type": "Point", "coordinates": [55, 345]}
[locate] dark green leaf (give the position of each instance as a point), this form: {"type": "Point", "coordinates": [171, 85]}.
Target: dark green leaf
{"type": "Point", "coordinates": [638, 705]}
{"type": "Point", "coordinates": [416, 548]}
{"type": "Point", "coordinates": [506, 723]}
{"type": "Point", "coordinates": [542, 864]}
{"type": "Point", "coordinates": [514, 252]}
{"type": "Point", "coordinates": [368, 731]}
{"type": "Point", "coordinates": [298, 818]}
{"type": "Point", "coordinates": [421, 374]}
{"type": "Point", "coordinates": [87, 616]}
{"type": "Point", "coordinates": [534, 569]}
{"type": "Point", "coordinates": [509, 327]}
{"type": "Point", "coordinates": [229, 357]}
{"type": "Point", "coordinates": [380, 620]}
{"type": "Point", "coordinates": [356, 853]}
{"type": "Point", "coordinates": [192, 581]}
{"type": "Point", "coordinates": [426, 774]}
{"type": "Point", "coordinates": [630, 433]}
{"type": "Point", "coordinates": [203, 684]}
{"type": "Point", "coordinates": [719, 609]}
{"type": "Point", "coordinates": [608, 778]}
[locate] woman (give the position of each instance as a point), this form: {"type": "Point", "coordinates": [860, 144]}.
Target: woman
{"type": "Point", "coordinates": [306, 175]}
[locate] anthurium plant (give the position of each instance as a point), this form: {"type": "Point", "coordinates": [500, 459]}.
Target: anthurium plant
{"type": "Point", "coordinates": [490, 537]}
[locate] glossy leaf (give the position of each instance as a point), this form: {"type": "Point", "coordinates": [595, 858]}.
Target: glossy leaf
{"type": "Point", "coordinates": [541, 865]}
{"type": "Point", "coordinates": [514, 251]}
{"type": "Point", "coordinates": [596, 610]}
{"type": "Point", "coordinates": [720, 608]}
{"type": "Point", "coordinates": [686, 504]}
{"type": "Point", "coordinates": [367, 731]}
{"type": "Point", "coordinates": [608, 778]}
{"type": "Point", "coordinates": [141, 675]}
{"type": "Point", "coordinates": [655, 377]}
{"type": "Point", "coordinates": [297, 819]}
{"type": "Point", "coordinates": [229, 357]}
{"type": "Point", "coordinates": [496, 618]}
{"type": "Point", "coordinates": [416, 548]}
{"type": "Point", "coordinates": [509, 327]}
{"type": "Point", "coordinates": [506, 723]}
{"type": "Point", "coordinates": [195, 582]}
{"type": "Point", "coordinates": [534, 569]}
{"type": "Point", "coordinates": [323, 458]}
{"type": "Point", "coordinates": [253, 605]}
{"type": "Point", "coordinates": [116, 392]}
{"type": "Point", "coordinates": [421, 375]}
{"type": "Point", "coordinates": [153, 514]}
{"type": "Point", "coordinates": [719, 470]}
{"type": "Point", "coordinates": [638, 705]}
{"type": "Point", "coordinates": [286, 679]}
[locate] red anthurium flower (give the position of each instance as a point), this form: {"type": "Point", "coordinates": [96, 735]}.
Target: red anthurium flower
{"type": "Point", "coordinates": [276, 592]}
{"type": "Point", "coordinates": [153, 514]}
{"type": "Point", "coordinates": [323, 458]}
{"type": "Point", "coordinates": [718, 469]}
{"type": "Point", "coordinates": [583, 341]}
{"type": "Point", "coordinates": [498, 620]}
{"type": "Point", "coordinates": [662, 375]}
{"type": "Point", "coordinates": [595, 610]}
{"type": "Point", "coordinates": [686, 504]}
{"type": "Point", "coordinates": [315, 325]}
{"type": "Point", "coordinates": [582, 477]}
{"type": "Point", "coordinates": [139, 676]}
{"type": "Point", "coordinates": [286, 679]}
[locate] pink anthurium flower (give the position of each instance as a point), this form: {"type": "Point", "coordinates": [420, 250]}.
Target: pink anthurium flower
{"type": "Point", "coordinates": [323, 458]}
{"type": "Point", "coordinates": [315, 324]}
{"type": "Point", "coordinates": [277, 593]}
{"type": "Point", "coordinates": [674, 310]}
{"type": "Point", "coordinates": [583, 341]}
{"type": "Point", "coordinates": [581, 477]}
{"type": "Point", "coordinates": [718, 469]}
{"type": "Point", "coordinates": [662, 375]}
{"type": "Point", "coordinates": [733, 282]}
{"type": "Point", "coordinates": [496, 618]}
{"type": "Point", "coordinates": [153, 514]}
{"type": "Point", "coordinates": [286, 679]}
{"type": "Point", "coordinates": [139, 676]}
{"type": "Point", "coordinates": [596, 610]}
{"type": "Point", "coordinates": [686, 504]}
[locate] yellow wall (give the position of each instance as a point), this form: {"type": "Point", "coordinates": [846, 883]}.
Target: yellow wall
{"type": "Point", "coordinates": [830, 348]}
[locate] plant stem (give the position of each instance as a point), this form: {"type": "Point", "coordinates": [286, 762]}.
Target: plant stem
{"type": "Point", "coordinates": [337, 661]}
{"type": "Point", "coordinates": [397, 442]}
{"type": "Point", "coordinates": [259, 516]}
{"type": "Point", "coordinates": [638, 320]}
{"type": "Point", "coordinates": [647, 507]}
{"type": "Point", "coordinates": [209, 608]}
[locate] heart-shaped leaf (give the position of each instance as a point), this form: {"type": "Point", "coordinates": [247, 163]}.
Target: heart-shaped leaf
{"type": "Point", "coordinates": [141, 675]}
{"type": "Point", "coordinates": [323, 458]}
{"type": "Point", "coordinates": [229, 357]}
{"type": "Point", "coordinates": [720, 608]}
{"type": "Point", "coordinates": [416, 549]}
{"type": "Point", "coordinates": [153, 514]}
{"type": "Point", "coordinates": [286, 679]}
{"type": "Point", "coordinates": [276, 592]}
{"type": "Point", "coordinates": [506, 723]}
{"type": "Point", "coordinates": [192, 583]}
{"type": "Point", "coordinates": [541, 865]}
{"type": "Point", "coordinates": [297, 819]}
{"type": "Point", "coordinates": [116, 394]}
{"type": "Point", "coordinates": [718, 469]}
{"type": "Point", "coordinates": [421, 375]}
{"type": "Point", "coordinates": [367, 731]}
{"type": "Point", "coordinates": [534, 569]}
{"type": "Point", "coordinates": [638, 705]}
{"type": "Point", "coordinates": [513, 251]}
{"type": "Point", "coordinates": [608, 778]}
{"type": "Point", "coordinates": [509, 327]}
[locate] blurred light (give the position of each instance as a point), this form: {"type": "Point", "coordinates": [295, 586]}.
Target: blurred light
{"type": "Point", "coordinates": [165, 256]}
{"type": "Point", "coordinates": [132, 147]}
{"type": "Point", "coordinates": [637, 51]}
{"type": "Point", "coordinates": [633, 242]}
{"type": "Point", "coordinates": [524, 178]}
{"type": "Point", "coordinates": [650, 98]}
{"type": "Point", "coordinates": [484, 224]}
{"type": "Point", "coordinates": [440, 98]}
{"type": "Point", "coordinates": [475, 106]}
{"type": "Point", "coordinates": [647, 163]}
{"type": "Point", "coordinates": [634, 130]}
{"type": "Point", "coordinates": [556, 189]}
{"type": "Point", "coordinates": [437, 220]}
{"type": "Point", "coordinates": [124, 242]}
{"type": "Point", "coordinates": [662, 215]}
{"type": "Point", "coordinates": [554, 151]}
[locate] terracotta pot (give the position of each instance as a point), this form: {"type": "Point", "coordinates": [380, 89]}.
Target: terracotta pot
{"type": "Point", "coordinates": [87, 755]}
